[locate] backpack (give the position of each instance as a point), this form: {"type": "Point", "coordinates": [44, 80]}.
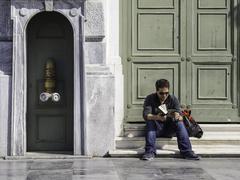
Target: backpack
{"type": "Point", "coordinates": [193, 128]}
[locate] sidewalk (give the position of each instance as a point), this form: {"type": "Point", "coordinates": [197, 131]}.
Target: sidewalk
{"type": "Point", "coordinates": [121, 169]}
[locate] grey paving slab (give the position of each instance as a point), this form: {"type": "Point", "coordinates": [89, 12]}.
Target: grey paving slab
{"type": "Point", "coordinates": [121, 169]}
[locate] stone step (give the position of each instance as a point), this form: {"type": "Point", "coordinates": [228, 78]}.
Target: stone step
{"type": "Point", "coordinates": [209, 138]}
{"type": "Point", "coordinates": [47, 155]}
{"type": "Point", "coordinates": [172, 151]}
{"type": "Point", "coordinates": [138, 130]}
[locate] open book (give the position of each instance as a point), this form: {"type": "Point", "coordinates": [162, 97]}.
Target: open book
{"type": "Point", "coordinates": [165, 111]}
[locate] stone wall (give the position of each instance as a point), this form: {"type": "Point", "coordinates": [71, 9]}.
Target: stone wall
{"type": "Point", "coordinates": [95, 46]}
{"type": "Point", "coordinates": [99, 82]}
{"type": "Point", "coordinates": [100, 111]}
{"type": "Point", "coordinates": [5, 75]}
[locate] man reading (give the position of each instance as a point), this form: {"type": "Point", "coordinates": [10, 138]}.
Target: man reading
{"type": "Point", "coordinates": [159, 124]}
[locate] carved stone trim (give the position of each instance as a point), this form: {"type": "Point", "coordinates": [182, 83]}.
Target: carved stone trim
{"type": "Point", "coordinates": [19, 78]}
{"type": "Point", "coordinates": [23, 12]}
{"type": "Point", "coordinates": [48, 5]}
{"type": "Point", "coordinates": [74, 12]}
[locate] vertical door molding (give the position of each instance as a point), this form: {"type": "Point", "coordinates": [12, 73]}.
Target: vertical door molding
{"type": "Point", "coordinates": [21, 16]}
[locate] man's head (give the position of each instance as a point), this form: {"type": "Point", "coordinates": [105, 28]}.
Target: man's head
{"type": "Point", "coordinates": [162, 89]}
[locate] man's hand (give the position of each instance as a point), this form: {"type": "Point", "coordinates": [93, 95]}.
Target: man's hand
{"type": "Point", "coordinates": [156, 117]}
{"type": "Point", "coordinates": [178, 116]}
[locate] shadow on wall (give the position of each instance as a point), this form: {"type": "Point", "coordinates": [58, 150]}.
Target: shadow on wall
{"type": "Point", "coordinates": [5, 38]}
{"type": "Point", "coordinates": [5, 57]}
{"type": "Point", "coordinates": [234, 14]}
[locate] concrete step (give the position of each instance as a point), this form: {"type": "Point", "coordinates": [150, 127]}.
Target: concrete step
{"type": "Point", "coordinates": [172, 151]}
{"type": "Point", "coordinates": [138, 130]}
{"type": "Point", "coordinates": [209, 138]}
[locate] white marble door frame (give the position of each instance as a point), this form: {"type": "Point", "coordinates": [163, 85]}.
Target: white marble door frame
{"type": "Point", "coordinates": [21, 17]}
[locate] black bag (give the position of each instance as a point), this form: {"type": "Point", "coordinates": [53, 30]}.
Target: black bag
{"type": "Point", "coordinates": [193, 128]}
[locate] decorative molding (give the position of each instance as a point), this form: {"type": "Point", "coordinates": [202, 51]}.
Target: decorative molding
{"type": "Point", "coordinates": [172, 15]}
{"type": "Point", "coordinates": [74, 12]}
{"type": "Point", "coordinates": [48, 5]}
{"type": "Point", "coordinates": [19, 76]}
{"type": "Point", "coordinates": [171, 69]}
{"type": "Point", "coordinates": [23, 12]}
{"type": "Point", "coordinates": [212, 7]}
{"type": "Point", "coordinates": [199, 48]}
{"type": "Point", "coordinates": [149, 6]}
{"type": "Point", "coordinates": [225, 97]}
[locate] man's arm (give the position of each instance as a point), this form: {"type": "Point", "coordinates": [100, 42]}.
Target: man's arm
{"type": "Point", "coordinates": [155, 117]}
{"type": "Point", "coordinates": [177, 114]}
{"type": "Point", "coordinates": [148, 113]}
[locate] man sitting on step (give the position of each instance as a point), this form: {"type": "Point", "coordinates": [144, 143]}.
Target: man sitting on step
{"type": "Point", "coordinates": [158, 124]}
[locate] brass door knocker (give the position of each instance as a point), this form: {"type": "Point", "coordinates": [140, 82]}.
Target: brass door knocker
{"type": "Point", "coordinates": [50, 82]}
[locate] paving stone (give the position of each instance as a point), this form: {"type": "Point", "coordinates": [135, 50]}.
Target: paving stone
{"type": "Point", "coordinates": [121, 169]}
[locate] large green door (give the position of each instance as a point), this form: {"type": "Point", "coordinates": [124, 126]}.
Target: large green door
{"type": "Point", "coordinates": [50, 124]}
{"type": "Point", "coordinates": [192, 43]}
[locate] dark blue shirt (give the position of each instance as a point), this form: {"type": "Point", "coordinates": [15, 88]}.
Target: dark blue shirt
{"type": "Point", "coordinates": [152, 102]}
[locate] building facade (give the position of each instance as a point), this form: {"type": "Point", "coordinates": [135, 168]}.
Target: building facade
{"type": "Point", "coordinates": [96, 60]}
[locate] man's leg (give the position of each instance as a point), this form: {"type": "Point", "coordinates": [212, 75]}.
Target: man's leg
{"type": "Point", "coordinates": [152, 129]}
{"type": "Point", "coordinates": [184, 143]}
{"type": "Point", "coordinates": [150, 137]}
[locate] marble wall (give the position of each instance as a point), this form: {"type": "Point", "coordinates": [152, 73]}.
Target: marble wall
{"type": "Point", "coordinates": [5, 114]}
{"type": "Point", "coordinates": [99, 82]}
{"type": "Point", "coordinates": [5, 20]}
{"type": "Point", "coordinates": [95, 46]}
{"type": "Point", "coordinates": [5, 75]}
{"type": "Point", "coordinates": [100, 112]}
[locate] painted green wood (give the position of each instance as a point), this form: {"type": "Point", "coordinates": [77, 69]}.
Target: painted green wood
{"type": "Point", "coordinates": [153, 48]}
{"type": "Point", "coordinates": [156, 4]}
{"type": "Point", "coordinates": [213, 4]}
{"type": "Point", "coordinates": [212, 73]}
{"type": "Point", "coordinates": [50, 124]}
{"type": "Point", "coordinates": [193, 44]}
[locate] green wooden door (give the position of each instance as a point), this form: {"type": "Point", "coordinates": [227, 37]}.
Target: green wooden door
{"type": "Point", "coordinates": [192, 43]}
{"type": "Point", "coordinates": [50, 124]}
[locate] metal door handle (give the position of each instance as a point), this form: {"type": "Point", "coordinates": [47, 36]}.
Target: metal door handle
{"type": "Point", "coordinates": [189, 59]}
{"type": "Point", "coordinates": [183, 58]}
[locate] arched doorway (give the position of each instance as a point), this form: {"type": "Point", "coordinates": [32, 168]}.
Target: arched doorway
{"type": "Point", "coordinates": [49, 50]}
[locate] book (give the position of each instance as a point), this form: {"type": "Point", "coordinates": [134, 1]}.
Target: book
{"type": "Point", "coordinates": [163, 109]}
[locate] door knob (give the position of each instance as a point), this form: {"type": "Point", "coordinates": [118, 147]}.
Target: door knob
{"type": "Point", "coordinates": [189, 59]}
{"type": "Point", "coordinates": [183, 58]}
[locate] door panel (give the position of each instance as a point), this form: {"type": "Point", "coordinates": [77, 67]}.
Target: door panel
{"type": "Point", "coordinates": [155, 31]}
{"type": "Point", "coordinates": [211, 70]}
{"type": "Point", "coordinates": [193, 44]}
{"type": "Point", "coordinates": [50, 124]}
{"type": "Point", "coordinates": [157, 36]}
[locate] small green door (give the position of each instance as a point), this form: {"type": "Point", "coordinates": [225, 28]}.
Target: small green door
{"type": "Point", "coordinates": [50, 123]}
{"type": "Point", "coordinates": [193, 44]}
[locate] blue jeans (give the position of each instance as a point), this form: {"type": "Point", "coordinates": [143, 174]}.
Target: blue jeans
{"type": "Point", "coordinates": [156, 129]}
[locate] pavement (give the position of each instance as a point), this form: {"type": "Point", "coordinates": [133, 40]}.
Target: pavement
{"type": "Point", "coordinates": [121, 169]}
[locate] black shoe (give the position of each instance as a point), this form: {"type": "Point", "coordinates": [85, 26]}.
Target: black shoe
{"type": "Point", "coordinates": [190, 156]}
{"type": "Point", "coordinates": [148, 156]}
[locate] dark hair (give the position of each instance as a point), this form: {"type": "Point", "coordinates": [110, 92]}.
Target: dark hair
{"type": "Point", "coordinates": [162, 83]}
